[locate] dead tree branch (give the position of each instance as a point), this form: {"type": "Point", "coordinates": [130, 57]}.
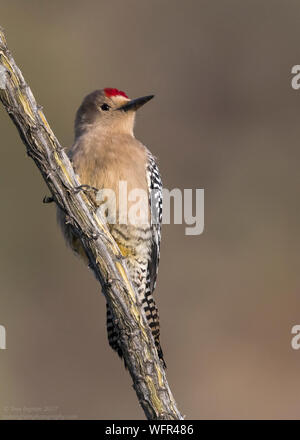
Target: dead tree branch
{"type": "Point", "coordinates": [105, 259]}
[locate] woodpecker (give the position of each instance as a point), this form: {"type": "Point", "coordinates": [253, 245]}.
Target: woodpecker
{"type": "Point", "coordinates": [105, 152]}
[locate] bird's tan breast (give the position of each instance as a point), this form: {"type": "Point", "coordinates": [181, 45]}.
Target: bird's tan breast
{"type": "Point", "coordinates": [104, 162]}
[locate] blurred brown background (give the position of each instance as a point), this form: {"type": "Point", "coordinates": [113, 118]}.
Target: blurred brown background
{"type": "Point", "coordinates": [226, 119]}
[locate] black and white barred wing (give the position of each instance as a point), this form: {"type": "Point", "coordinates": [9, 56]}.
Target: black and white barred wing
{"type": "Point", "coordinates": [155, 201]}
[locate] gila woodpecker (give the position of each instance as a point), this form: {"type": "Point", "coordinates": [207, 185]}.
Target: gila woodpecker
{"type": "Point", "coordinates": [105, 152]}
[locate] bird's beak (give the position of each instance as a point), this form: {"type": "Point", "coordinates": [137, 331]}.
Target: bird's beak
{"type": "Point", "coordinates": [135, 104]}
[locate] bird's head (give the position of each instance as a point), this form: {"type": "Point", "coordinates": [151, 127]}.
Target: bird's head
{"type": "Point", "coordinates": [110, 109]}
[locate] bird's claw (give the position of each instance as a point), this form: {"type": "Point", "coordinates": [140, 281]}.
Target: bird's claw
{"type": "Point", "coordinates": [86, 188]}
{"type": "Point", "coordinates": [48, 199]}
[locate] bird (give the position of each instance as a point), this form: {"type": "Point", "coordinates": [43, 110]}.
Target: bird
{"type": "Point", "coordinates": [106, 152]}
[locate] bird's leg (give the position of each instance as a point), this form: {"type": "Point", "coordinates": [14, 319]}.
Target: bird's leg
{"type": "Point", "coordinates": [85, 188]}
{"type": "Point", "coordinates": [76, 190]}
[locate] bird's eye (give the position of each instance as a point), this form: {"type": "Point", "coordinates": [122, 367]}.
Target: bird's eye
{"type": "Point", "coordinates": [105, 107]}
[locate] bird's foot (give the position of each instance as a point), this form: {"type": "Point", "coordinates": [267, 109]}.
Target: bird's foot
{"type": "Point", "coordinates": [85, 188]}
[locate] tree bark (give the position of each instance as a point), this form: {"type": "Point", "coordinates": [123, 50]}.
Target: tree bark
{"type": "Point", "coordinates": [105, 259]}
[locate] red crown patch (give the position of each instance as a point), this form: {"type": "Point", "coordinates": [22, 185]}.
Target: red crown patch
{"type": "Point", "coordinates": [114, 92]}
